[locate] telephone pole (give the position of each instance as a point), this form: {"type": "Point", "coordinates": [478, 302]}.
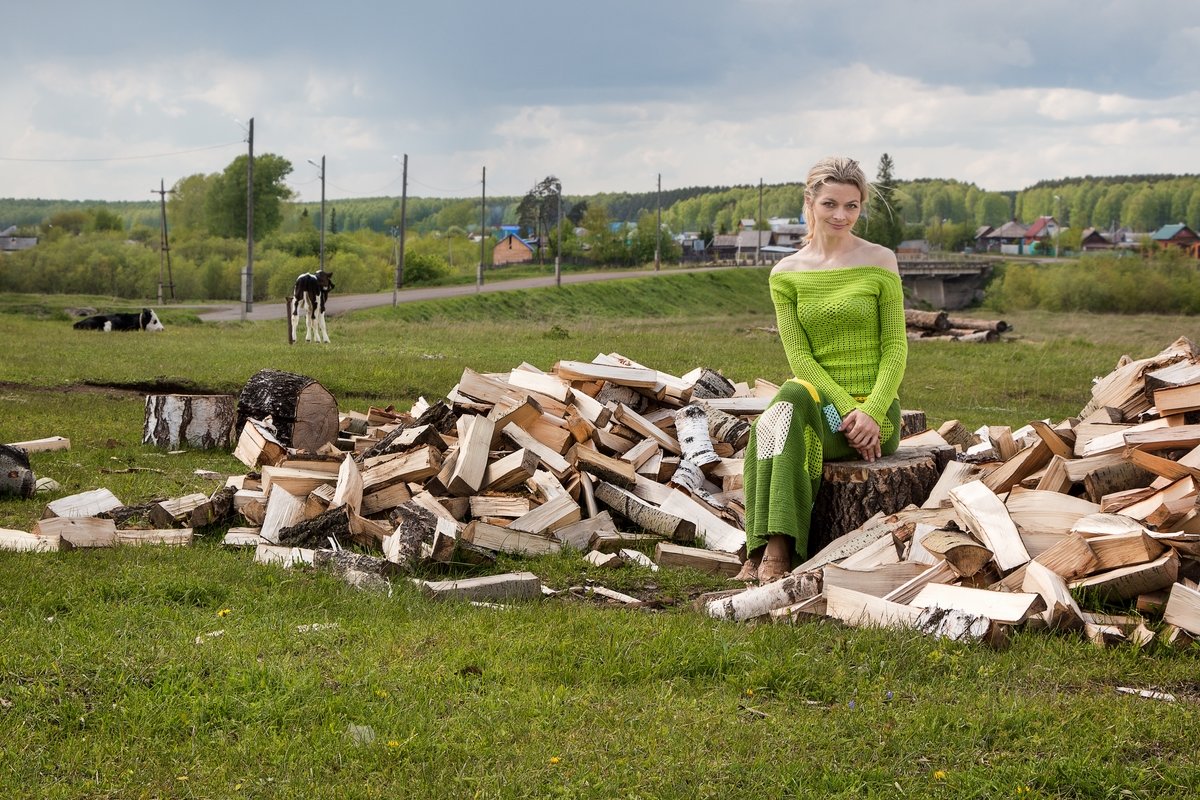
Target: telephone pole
{"type": "Point", "coordinates": [482, 231]}
{"type": "Point", "coordinates": [248, 276]}
{"type": "Point", "coordinates": [658, 224]}
{"type": "Point", "coordinates": [321, 167]}
{"type": "Point", "coordinates": [558, 249]}
{"type": "Point", "coordinates": [164, 248]}
{"type": "Point", "coordinates": [757, 230]}
{"type": "Point", "coordinates": [403, 207]}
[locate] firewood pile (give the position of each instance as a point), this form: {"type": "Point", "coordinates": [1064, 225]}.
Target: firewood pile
{"type": "Point", "coordinates": [1046, 526]}
{"type": "Point", "coordinates": [939, 326]}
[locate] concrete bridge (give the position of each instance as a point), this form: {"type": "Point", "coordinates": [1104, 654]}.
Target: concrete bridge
{"type": "Point", "coordinates": [946, 281]}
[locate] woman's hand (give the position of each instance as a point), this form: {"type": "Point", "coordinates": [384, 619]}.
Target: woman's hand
{"type": "Point", "coordinates": [862, 432]}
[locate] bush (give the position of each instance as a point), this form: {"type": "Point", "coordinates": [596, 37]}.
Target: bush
{"type": "Point", "coordinates": [1169, 283]}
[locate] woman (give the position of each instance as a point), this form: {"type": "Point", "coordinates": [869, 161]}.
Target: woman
{"type": "Point", "coordinates": [840, 312]}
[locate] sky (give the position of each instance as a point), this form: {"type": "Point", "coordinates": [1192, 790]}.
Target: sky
{"type": "Point", "coordinates": [102, 101]}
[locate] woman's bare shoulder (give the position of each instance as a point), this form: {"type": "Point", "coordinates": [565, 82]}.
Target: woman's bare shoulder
{"type": "Point", "coordinates": [792, 263]}
{"type": "Point", "coordinates": [879, 256]}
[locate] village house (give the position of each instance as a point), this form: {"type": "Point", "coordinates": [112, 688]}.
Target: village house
{"type": "Point", "coordinates": [1178, 235]}
{"type": "Point", "coordinates": [1008, 239]}
{"type": "Point", "coordinates": [1042, 236]}
{"type": "Point", "coordinates": [512, 249]}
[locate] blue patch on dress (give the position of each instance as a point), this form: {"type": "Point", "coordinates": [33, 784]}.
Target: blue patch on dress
{"type": "Point", "coordinates": [832, 417]}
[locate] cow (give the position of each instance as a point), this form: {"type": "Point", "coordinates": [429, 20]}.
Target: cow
{"type": "Point", "coordinates": [311, 293]}
{"type": "Point", "coordinates": [146, 320]}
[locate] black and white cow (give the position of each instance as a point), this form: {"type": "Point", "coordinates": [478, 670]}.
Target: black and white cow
{"type": "Point", "coordinates": [311, 292]}
{"type": "Point", "coordinates": [147, 320]}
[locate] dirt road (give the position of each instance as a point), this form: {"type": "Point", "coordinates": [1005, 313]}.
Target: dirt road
{"type": "Point", "coordinates": [340, 303]}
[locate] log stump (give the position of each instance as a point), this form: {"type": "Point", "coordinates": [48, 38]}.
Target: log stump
{"type": "Point", "coordinates": [16, 476]}
{"type": "Point", "coordinates": [304, 413]}
{"type": "Point", "coordinates": [203, 422]}
{"type": "Point", "coordinates": [852, 491]}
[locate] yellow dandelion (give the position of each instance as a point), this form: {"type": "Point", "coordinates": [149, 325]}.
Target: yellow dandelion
{"type": "Point", "coordinates": [393, 743]}
{"type": "Point", "coordinates": [940, 775]}
{"type": "Point", "coordinates": [380, 693]}
{"type": "Point", "coordinates": [749, 693]}
{"type": "Point", "coordinates": [554, 759]}
{"type": "Point", "coordinates": [181, 777]}
{"type": "Point", "coordinates": [224, 612]}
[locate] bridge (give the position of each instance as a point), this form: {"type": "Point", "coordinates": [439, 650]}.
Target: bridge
{"type": "Point", "coordinates": [946, 281]}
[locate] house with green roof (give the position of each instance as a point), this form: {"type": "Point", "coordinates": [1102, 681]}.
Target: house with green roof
{"type": "Point", "coordinates": [1178, 235]}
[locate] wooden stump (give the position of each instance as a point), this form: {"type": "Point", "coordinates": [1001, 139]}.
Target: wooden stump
{"type": "Point", "coordinates": [16, 476]}
{"type": "Point", "coordinates": [304, 413]}
{"type": "Point", "coordinates": [852, 491]}
{"type": "Point", "coordinates": [203, 422]}
{"type": "Point", "coordinates": [912, 422]}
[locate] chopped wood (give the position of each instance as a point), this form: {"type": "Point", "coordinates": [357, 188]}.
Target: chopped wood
{"type": "Point", "coordinates": [173, 511]}
{"type": "Point", "coordinates": [645, 515]}
{"type": "Point", "coordinates": [711, 562]}
{"type": "Point", "coordinates": [511, 470]}
{"type": "Point", "coordinates": [691, 426]}
{"type": "Point", "coordinates": [606, 468]}
{"type": "Point", "coordinates": [285, 557]}
{"type": "Point", "coordinates": [1061, 609]}
{"type": "Point", "coordinates": [964, 554]}
{"type": "Point", "coordinates": [44, 445]}
{"type": "Point", "coordinates": [938, 573]}
{"type": "Point", "coordinates": [622, 376]}
{"type": "Point", "coordinates": [1011, 608]}
{"type": "Point", "coordinates": [21, 541]}
{"type": "Point", "coordinates": [580, 535]}
{"type": "Point", "coordinates": [84, 504]}
{"type": "Point", "coordinates": [1124, 550]}
{"type": "Point", "coordinates": [1046, 512]}
{"type": "Point", "coordinates": [78, 532]}
{"type": "Point", "coordinates": [604, 560]}
{"type": "Point", "coordinates": [1183, 609]}
{"type": "Point", "coordinates": [243, 537]}
{"type": "Point", "coordinates": [761, 600]}
{"type": "Point", "coordinates": [1128, 582]}
{"type": "Point", "coordinates": [955, 473]}
{"type": "Point", "coordinates": [986, 517]}
{"type": "Point", "coordinates": [557, 512]}
{"type": "Point", "coordinates": [877, 581]}
{"type": "Point", "coordinates": [508, 540]}
{"type": "Point", "coordinates": [1018, 467]}
{"type": "Point", "coordinates": [862, 610]}
{"type": "Point", "coordinates": [173, 537]}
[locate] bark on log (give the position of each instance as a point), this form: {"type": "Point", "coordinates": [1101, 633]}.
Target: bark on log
{"type": "Point", "coordinates": [16, 476]}
{"type": "Point", "coordinates": [712, 384]}
{"type": "Point", "coordinates": [691, 426]}
{"type": "Point", "coordinates": [852, 491]}
{"type": "Point", "coordinates": [315, 532]}
{"type": "Point", "coordinates": [203, 422]}
{"type": "Point", "coordinates": [926, 320]}
{"type": "Point", "coordinates": [439, 416]}
{"type": "Point", "coordinates": [912, 422]}
{"type": "Point", "coordinates": [725, 427]}
{"type": "Point", "coordinates": [303, 411]}
{"type": "Point", "coordinates": [997, 325]}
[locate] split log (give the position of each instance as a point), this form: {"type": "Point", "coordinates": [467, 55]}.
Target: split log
{"type": "Point", "coordinates": [851, 491]}
{"type": "Point", "coordinates": [84, 504]}
{"type": "Point", "coordinates": [257, 445]}
{"type": "Point", "coordinates": [987, 518]}
{"type": "Point", "coordinates": [173, 511]}
{"type": "Point", "coordinates": [203, 422]}
{"type": "Point", "coordinates": [711, 562]}
{"type": "Point", "coordinates": [506, 540]}
{"type": "Point", "coordinates": [16, 476]}
{"type": "Point", "coordinates": [1183, 609]}
{"type": "Point", "coordinates": [960, 551]}
{"type": "Point", "coordinates": [78, 532]}
{"type": "Point", "coordinates": [1011, 608]}
{"type": "Point", "coordinates": [317, 532]}
{"type": "Point", "coordinates": [489, 588]}
{"type": "Point", "coordinates": [304, 413]}
{"type": "Point", "coordinates": [710, 384]}
{"type": "Point", "coordinates": [44, 445]}
{"type": "Point", "coordinates": [727, 428]}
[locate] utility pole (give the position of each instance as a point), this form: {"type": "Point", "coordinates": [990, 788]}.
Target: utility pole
{"type": "Point", "coordinates": [482, 231]}
{"type": "Point", "coordinates": [403, 214]}
{"type": "Point", "coordinates": [248, 276]}
{"type": "Point", "coordinates": [322, 168]}
{"type": "Point", "coordinates": [658, 225]}
{"type": "Point", "coordinates": [164, 246]}
{"type": "Point", "coordinates": [558, 248]}
{"type": "Point", "coordinates": [757, 231]}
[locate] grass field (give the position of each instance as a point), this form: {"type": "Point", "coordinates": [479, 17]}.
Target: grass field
{"type": "Point", "coordinates": [112, 684]}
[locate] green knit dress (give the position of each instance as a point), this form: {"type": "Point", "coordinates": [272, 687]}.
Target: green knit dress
{"type": "Point", "coordinates": [843, 332]}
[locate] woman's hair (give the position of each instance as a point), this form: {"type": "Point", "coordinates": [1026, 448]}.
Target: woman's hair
{"type": "Point", "coordinates": [834, 169]}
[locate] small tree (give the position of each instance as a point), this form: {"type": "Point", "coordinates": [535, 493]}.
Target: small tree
{"type": "Point", "coordinates": [885, 225]}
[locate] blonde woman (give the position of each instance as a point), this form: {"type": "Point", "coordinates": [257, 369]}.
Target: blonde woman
{"type": "Point", "coordinates": [840, 312]}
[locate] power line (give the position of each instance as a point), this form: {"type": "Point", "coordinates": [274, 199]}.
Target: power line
{"type": "Point", "coordinates": [117, 158]}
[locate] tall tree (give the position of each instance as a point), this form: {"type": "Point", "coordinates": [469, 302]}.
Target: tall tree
{"type": "Point", "coordinates": [885, 225]}
{"type": "Point", "coordinates": [225, 203]}
{"type": "Point", "coordinates": [538, 209]}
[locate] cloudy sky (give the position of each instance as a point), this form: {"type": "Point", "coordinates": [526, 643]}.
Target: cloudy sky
{"type": "Point", "coordinates": [102, 100]}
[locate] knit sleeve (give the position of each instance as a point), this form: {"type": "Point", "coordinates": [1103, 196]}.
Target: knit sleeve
{"type": "Point", "coordinates": [893, 350]}
{"type": "Point", "coordinates": [799, 350]}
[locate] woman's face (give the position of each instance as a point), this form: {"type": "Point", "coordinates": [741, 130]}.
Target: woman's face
{"type": "Point", "coordinates": [835, 209]}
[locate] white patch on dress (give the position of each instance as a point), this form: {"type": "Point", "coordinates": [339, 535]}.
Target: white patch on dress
{"type": "Point", "coordinates": [771, 430]}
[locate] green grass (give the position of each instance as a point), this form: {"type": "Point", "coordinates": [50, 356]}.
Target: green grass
{"type": "Point", "coordinates": [105, 692]}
